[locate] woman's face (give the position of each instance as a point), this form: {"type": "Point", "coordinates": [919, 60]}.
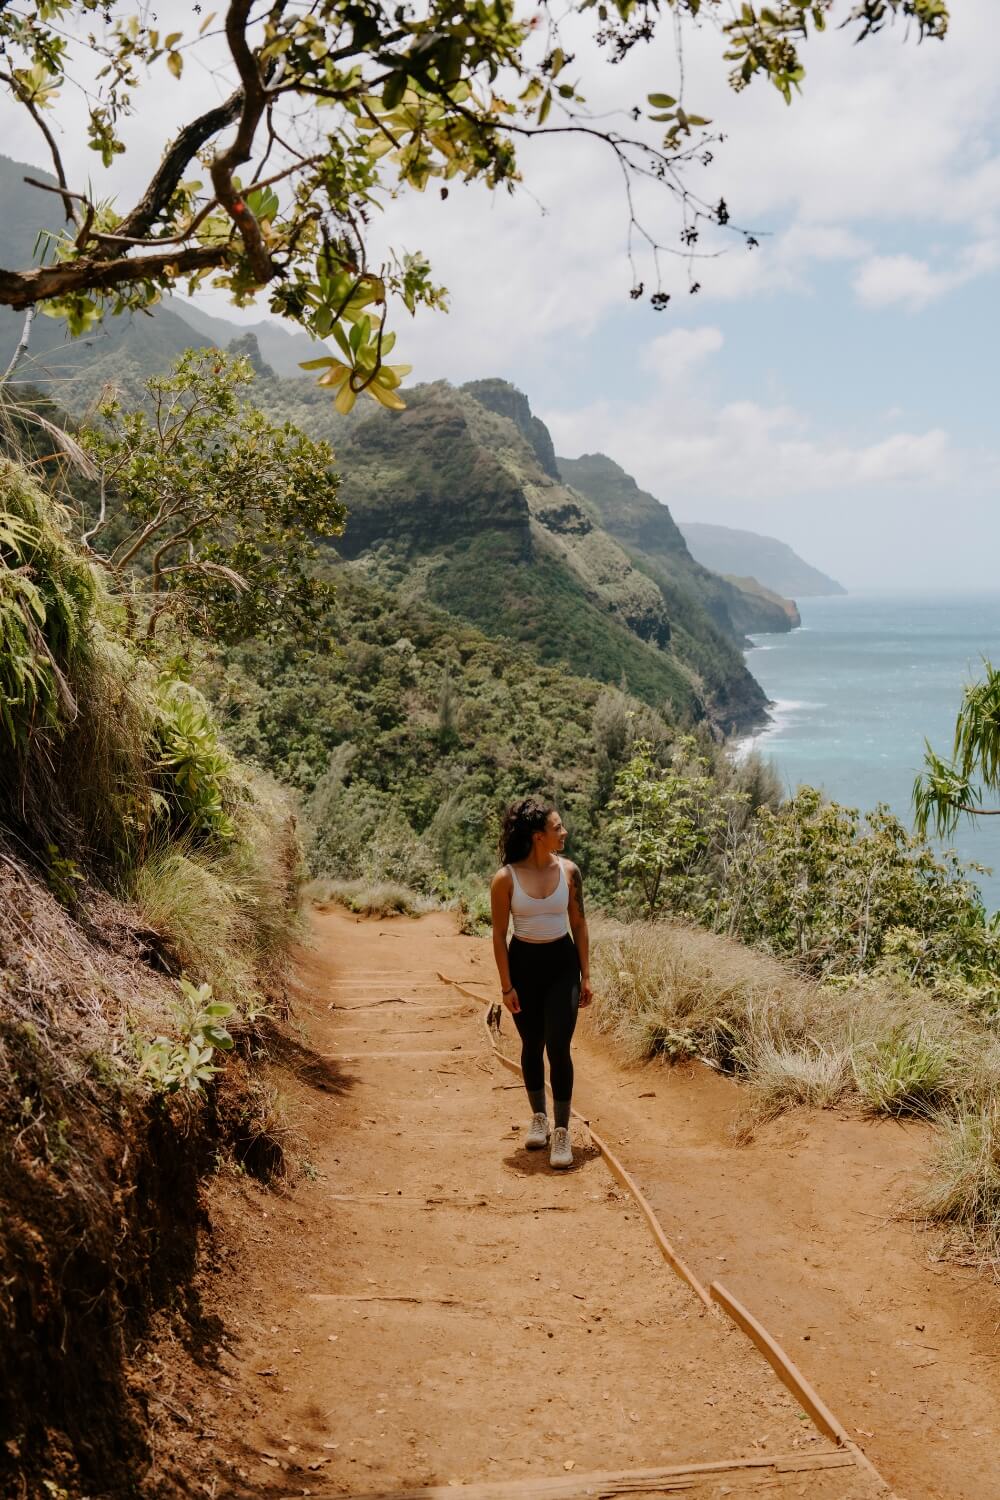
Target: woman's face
{"type": "Point", "coordinates": [553, 837]}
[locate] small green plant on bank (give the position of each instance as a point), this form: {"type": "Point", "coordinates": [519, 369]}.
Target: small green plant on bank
{"type": "Point", "coordinates": [187, 1062]}
{"type": "Point", "coordinates": [195, 772]}
{"type": "Point", "coordinates": [905, 1073]}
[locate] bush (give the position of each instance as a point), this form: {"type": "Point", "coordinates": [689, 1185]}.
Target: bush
{"type": "Point", "coordinates": [844, 895]}
{"type": "Point", "coordinates": [904, 1073]}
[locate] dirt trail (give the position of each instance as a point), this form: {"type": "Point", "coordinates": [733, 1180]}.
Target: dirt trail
{"type": "Point", "coordinates": [803, 1225]}
{"type": "Point", "coordinates": [432, 1305]}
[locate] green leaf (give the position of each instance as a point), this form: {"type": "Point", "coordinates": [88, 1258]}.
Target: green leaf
{"type": "Point", "coordinates": [394, 88]}
{"type": "Point", "coordinates": [661, 101]}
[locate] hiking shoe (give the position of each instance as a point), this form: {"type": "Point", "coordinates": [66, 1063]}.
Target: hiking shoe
{"type": "Point", "coordinates": [538, 1133]}
{"type": "Point", "coordinates": [561, 1154]}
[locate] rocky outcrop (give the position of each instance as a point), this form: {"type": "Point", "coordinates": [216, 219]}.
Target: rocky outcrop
{"type": "Point", "coordinates": [507, 401]}
{"type": "Point", "coordinates": [644, 525]}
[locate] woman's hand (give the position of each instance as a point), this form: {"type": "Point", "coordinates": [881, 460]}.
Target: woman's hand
{"type": "Point", "coordinates": [512, 1003]}
{"type": "Point", "coordinates": [586, 993]}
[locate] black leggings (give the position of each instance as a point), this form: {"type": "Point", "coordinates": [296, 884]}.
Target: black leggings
{"type": "Point", "coordinates": [547, 979]}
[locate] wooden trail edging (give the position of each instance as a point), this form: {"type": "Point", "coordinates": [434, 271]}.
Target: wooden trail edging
{"type": "Point", "coordinates": [603, 1486]}
{"type": "Point", "coordinates": [790, 1375]}
{"type": "Point", "coordinates": [786, 1370]}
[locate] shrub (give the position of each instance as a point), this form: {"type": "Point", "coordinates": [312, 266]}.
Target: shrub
{"type": "Point", "coordinates": [842, 894]}
{"type": "Point", "coordinates": [187, 1061]}
{"type": "Point", "coordinates": [669, 823]}
{"type": "Point", "coordinates": [194, 774]}
{"type": "Point", "coordinates": [904, 1073]}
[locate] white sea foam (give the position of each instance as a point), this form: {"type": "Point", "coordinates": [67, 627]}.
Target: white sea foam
{"type": "Point", "coordinates": [783, 713]}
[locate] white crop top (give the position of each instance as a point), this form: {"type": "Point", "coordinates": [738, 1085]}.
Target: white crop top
{"type": "Point", "coordinates": [540, 919]}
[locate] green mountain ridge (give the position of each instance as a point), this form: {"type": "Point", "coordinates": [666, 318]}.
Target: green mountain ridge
{"type": "Point", "coordinates": [451, 500]}
{"type": "Point", "coordinates": [646, 528]}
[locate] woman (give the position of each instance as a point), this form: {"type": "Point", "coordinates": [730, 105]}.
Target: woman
{"type": "Point", "coordinates": [545, 972]}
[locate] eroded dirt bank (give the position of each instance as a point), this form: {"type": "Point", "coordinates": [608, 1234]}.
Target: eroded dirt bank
{"type": "Point", "coordinates": [429, 1304]}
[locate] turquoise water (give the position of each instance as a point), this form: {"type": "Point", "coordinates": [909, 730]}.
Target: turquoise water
{"type": "Point", "coordinates": [862, 684]}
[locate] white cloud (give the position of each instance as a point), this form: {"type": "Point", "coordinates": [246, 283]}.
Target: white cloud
{"type": "Point", "coordinates": [749, 452]}
{"type": "Point", "coordinates": [886, 279]}
{"type": "Point", "coordinates": [672, 354]}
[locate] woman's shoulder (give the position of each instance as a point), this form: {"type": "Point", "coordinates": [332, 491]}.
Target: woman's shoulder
{"type": "Point", "coordinates": [502, 876]}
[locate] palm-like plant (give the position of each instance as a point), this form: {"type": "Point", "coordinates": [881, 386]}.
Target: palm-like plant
{"type": "Point", "coordinates": [948, 789]}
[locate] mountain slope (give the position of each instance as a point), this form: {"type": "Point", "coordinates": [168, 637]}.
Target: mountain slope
{"type": "Point", "coordinates": [127, 349]}
{"type": "Point", "coordinates": [449, 500]}
{"type": "Point", "coordinates": [647, 529]}
{"type": "Point", "coordinates": [772, 563]}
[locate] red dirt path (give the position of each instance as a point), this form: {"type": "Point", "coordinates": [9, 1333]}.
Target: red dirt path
{"type": "Point", "coordinates": [431, 1304]}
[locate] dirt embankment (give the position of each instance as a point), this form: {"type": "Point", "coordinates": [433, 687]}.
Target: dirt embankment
{"type": "Point", "coordinates": [101, 1208]}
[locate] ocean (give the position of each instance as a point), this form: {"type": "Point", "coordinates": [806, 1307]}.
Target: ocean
{"type": "Point", "coordinates": [860, 686]}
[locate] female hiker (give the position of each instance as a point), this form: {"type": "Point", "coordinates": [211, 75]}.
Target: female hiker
{"type": "Point", "coordinates": [545, 972]}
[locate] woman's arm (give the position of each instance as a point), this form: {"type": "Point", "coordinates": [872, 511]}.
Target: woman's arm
{"type": "Point", "coordinates": [500, 894]}
{"type": "Point", "coordinates": [578, 927]}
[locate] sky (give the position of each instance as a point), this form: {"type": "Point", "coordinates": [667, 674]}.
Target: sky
{"type": "Point", "coordinates": [836, 387]}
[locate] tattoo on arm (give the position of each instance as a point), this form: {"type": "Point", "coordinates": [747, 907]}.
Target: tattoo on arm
{"type": "Point", "coordinates": [577, 879]}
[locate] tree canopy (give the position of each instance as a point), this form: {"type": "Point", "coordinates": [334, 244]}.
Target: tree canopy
{"type": "Point", "coordinates": [208, 509]}
{"type": "Point", "coordinates": [334, 105]}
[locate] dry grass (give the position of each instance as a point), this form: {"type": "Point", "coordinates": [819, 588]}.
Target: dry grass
{"type": "Point", "coordinates": [228, 912]}
{"type": "Point", "coordinates": [666, 989]}
{"type": "Point", "coordinates": [369, 898]}
{"type": "Point", "coordinates": [964, 1188]}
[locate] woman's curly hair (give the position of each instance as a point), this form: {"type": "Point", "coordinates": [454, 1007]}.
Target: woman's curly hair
{"type": "Point", "coordinates": [521, 819]}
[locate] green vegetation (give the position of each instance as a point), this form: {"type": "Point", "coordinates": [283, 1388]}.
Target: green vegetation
{"type": "Point", "coordinates": [950, 789]}
{"type": "Point", "coordinates": [451, 501]}
{"type": "Point", "coordinates": [114, 771]}
{"type": "Point", "coordinates": [185, 1062]}
{"type": "Point", "coordinates": [215, 507]}
{"type": "Point", "coordinates": [406, 734]}
{"type": "Point", "coordinates": [671, 824]}
{"type": "Point", "coordinates": [148, 893]}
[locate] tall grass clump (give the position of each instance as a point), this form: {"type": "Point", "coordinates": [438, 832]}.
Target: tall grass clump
{"type": "Point", "coordinates": [907, 1072]}
{"type": "Point", "coordinates": [963, 1192]}
{"type": "Point", "coordinates": [665, 988]}
{"type": "Point", "coordinates": [112, 770]}
{"type": "Point", "coordinates": [673, 990]}
{"type": "Point", "coordinates": [369, 898]}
